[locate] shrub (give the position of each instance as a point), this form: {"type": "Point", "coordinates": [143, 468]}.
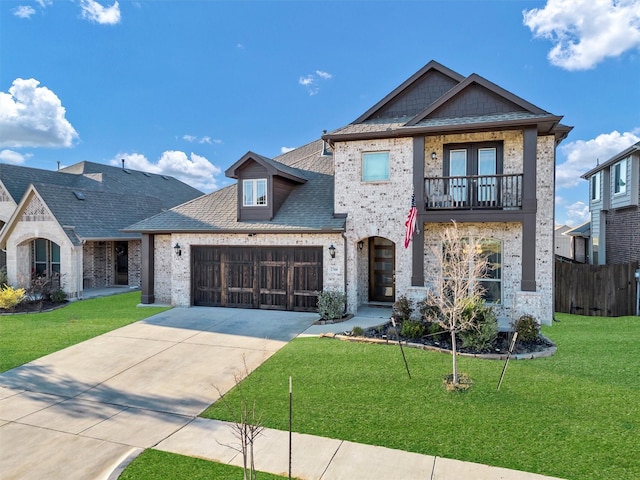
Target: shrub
{"type": "Point", "coordinates": [3, 276]}
{"type": "Point", "coordinates": [331, 304]}
{"type": "Point", "coordinates": [357, 331]}
{"type": "Point", "coordinates": [483, 331]}
{"type": "Point", "coordinates": [411, 329]}
{"type": "Point", "coordinates": [58, 296]}
{"type": "Point", "coordinates": [402, 309]}
{"type": "Point", "coordinates": [429, 313]}
{"type": "Point", "coordinates": [10, 297]}
{"type": "Point", "coordinates": [527, 327]}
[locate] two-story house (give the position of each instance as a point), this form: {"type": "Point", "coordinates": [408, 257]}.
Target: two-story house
{"type": "Point", "coordinates": [330, 215]}
{"type": "Point", "coordinates": [614, 204]}
{"type": "Point", "coordinates": [65, 225]}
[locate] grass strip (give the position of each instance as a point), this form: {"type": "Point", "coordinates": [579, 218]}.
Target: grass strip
{"type": "Point", "coordinates": [25, 337]}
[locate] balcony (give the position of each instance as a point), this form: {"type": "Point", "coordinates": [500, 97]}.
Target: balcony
{"type": "Point", "coordinates": [474, 192]}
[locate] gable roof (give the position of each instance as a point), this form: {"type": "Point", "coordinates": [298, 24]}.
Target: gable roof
{"type": "Point", "coordinates": [217, 211]}
{"type": "Point", "coordinates": [273, 167]}
{"type": "Point", "coordinates": [616, 158]}
{"type": "Point", "coordinates": [437, 100]}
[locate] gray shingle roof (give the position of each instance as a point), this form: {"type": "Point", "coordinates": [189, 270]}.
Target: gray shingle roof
{"type": "Point", "coordinates": [309, 206]}
{"type": "Point", "coordinates": [101, 215]}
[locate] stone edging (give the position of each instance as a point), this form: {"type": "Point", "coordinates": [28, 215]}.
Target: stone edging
{"type": "Point", "coordinates": [487, 356]}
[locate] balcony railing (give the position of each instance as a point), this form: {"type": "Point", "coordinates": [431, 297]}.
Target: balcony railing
{"type": "Point", "coordinates": [473, 192]}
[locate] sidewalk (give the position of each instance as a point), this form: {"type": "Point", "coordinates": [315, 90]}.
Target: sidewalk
{"type": "Point", "coordinates": [319, 458]}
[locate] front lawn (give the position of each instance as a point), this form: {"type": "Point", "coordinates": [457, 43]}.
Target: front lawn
{"type": "Point", "coordinates": [25, 337]}
{"type": "Point", "coordinates": [575, 415]}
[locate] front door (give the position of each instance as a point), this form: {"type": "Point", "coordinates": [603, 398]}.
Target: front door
{"type": "Point", "coordinates": [122, 263]}
{"type": "Point", "coordinates": [382, 270]}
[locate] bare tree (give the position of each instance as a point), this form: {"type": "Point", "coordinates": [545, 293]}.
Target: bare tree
{"type": "Point", "coordinates": [459, 266]}
{"type": "Point", "coordinates": [247, 423]}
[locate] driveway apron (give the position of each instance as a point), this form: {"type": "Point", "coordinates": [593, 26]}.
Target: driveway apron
{"type": "Point", "coordinates": [77, 413]}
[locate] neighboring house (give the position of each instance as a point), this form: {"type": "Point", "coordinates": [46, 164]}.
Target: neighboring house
{"type": "Point", "coordinates": [330, 215]}
{"type": "Point", "coordinates": [572, 244]}
{"type": "Point", "coordinates": [65, 225]}
{"type": "Point", "coordinates": [614, 203]}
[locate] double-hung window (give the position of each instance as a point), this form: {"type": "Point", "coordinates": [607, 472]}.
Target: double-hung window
{"type": "Point", "coordinates": [254, 192]}
{"type": "Point", "coordinates": [375, 166]}
{"type": "Point", "coordinates": [620, 177]}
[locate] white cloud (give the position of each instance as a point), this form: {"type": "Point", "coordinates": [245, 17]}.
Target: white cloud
{"type": "Point", "coordinates": [15, 158]}
{"type": "Point", "coordinates": [585, 32]}
{"type": "Point", "coordinates": [583, 155]}
{"type": "Point", "coordinates": [189, 138]}
{"type": "Point", "coordinates": [310, 82]}
{"type": "Point", "coordinates": [96, 13]}
{"type": "Point", "coordinates": [577, 213]}
{"type": "Point", "coordinates": [23, 11]}
{"type": "Point", "coordinates": [206, 139]}
{"type": "Point", "coordinates": [32, 116]}
{"type": "Point", "coordinates": [194, 170]}
{"type": "Point", "coordinates": [286, 149]}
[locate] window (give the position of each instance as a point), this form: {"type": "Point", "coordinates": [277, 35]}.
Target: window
{"type": "Point", "coordinates": [595, 186]}
{"type": "Point", "coordinates": [620, 177]}
{"type": "Point", "coordinates": [45, 256]}
{"type": "Point", "coordinates": [491, 280]}
{"type": "Point", "coordinates": [375, 166]}
{"type": "Point", "coordinates": [254, 192]}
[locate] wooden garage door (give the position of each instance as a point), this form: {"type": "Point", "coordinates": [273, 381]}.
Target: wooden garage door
{"type": "Point", "coordinates": [282, 278]}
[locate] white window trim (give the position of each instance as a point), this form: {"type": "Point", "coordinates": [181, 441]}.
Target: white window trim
{"type": "Point", "coordinates": [252, 183]}
{"type": "Point", "coordinates": [623, 177]}
{"type": "Point", "coordinates": [595, 186]}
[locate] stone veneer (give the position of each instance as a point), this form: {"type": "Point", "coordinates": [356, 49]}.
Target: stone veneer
{"type": "Point", "coordinates": [172, 273]}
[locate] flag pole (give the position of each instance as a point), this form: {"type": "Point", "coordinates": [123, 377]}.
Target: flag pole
{"type": "Point", "coordinates": [504, 369]}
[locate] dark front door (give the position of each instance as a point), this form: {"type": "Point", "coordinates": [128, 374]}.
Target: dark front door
{"type": "Point", "coordinates": [122, 263]}
{"type": "Point", "coordinates": [382, 270]}
{"type": "Point", "coordinates": [280, 278]}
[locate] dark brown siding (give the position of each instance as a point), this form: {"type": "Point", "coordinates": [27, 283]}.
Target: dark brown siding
{"type": "Point", "coordinates": [251, 170]}
{"type": "Point", "coordinates": [281, 190]}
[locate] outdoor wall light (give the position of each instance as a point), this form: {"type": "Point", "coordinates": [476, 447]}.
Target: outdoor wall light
{"type": "Point", "coordinates": [434, 156]}
{"type": "Point", "coordinates": [360, 245]}
{"type": "Point", "coordinates": [178, 249]}
{"type": "Point", "coordinates": [332, 251]}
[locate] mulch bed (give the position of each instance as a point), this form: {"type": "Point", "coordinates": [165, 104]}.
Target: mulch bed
{"type": "Point", "coordinates": [34, 307]}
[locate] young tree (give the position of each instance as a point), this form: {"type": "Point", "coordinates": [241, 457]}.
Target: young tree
{"type": "Point", "coordinates": [459, 265]}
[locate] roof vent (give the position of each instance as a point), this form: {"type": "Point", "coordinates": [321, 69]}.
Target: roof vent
{"type": "Point", "coordinates": [79, 195]}
{"type": "Point", "coordinates": [165, 177]}
{"type": "Point", "coordinates": [325, 146]}
{"type": "Point", "coordinates": [146, 174]}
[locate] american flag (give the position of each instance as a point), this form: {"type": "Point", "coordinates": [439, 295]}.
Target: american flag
{"type": "Point", "coordinates": [410, 224]}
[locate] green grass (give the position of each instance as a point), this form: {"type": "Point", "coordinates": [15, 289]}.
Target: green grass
{"type": "Point", "coordinates": [575, 415]}
{"type": "Point", "coordinates": [157, 465]}
{"type": "Point", "coordinates": [26, 337]}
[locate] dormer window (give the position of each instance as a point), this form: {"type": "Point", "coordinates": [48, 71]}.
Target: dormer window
{"type": "Point", "coordinates": [254, 192]}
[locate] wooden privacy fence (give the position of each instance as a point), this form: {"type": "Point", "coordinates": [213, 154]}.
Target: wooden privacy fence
{"type": "Point", "coordinates": [606, 290]}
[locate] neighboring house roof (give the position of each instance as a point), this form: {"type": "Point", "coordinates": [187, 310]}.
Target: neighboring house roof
{"type": "Point", "coordinates": [308, 208]}
{"type": "Point", "coordinates": [112, 197]}
{"type": "Point", "coordinates": [583, 230]}
{"type": "Point", "coordinates": [436, 99]}
{"type": "Point", "coordinates": [625, 153]}
{"type": "Point", "coordinates": [95, 215]}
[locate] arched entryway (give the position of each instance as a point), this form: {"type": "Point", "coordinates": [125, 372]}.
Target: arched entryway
{"type": "Point", "coordinates": [382, 270]}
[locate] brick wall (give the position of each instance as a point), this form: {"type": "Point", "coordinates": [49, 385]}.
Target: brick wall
{"type": "Point", "coordinates": [623, 235]}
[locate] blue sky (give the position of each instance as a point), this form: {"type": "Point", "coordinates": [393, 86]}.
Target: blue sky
{"type": "Point", "coordinates": [186, 88]}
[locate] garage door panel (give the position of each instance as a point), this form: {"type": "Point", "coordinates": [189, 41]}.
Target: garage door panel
{"type": "Point", "coordinates": [282, 278]}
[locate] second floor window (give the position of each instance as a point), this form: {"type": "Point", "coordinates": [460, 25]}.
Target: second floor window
{"type": "Point", "coordinates": [254, 192]}
{"type": "Point", "coordinates": [375, 166]}
{"type": "Point", "coordinates": [595, 187]}
{"type": "Point", "coordinates": [620, 177]}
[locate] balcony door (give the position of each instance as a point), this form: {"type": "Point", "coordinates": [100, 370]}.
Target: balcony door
{"type": "Point", "coordinates": [473, 170]}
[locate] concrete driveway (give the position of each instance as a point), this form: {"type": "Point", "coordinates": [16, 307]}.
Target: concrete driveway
{"type": "Point", "coordinates": [77, 413]}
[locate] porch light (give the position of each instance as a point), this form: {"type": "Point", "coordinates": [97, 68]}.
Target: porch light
{"type": "Point", "coordinates": [332, 251]}
{"type": "Point", "coordinates": [178, 249]}
{"type": "Point", "coordinates": [434, 156]}
{"type": "Point", "coordinates": [360, 245]}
